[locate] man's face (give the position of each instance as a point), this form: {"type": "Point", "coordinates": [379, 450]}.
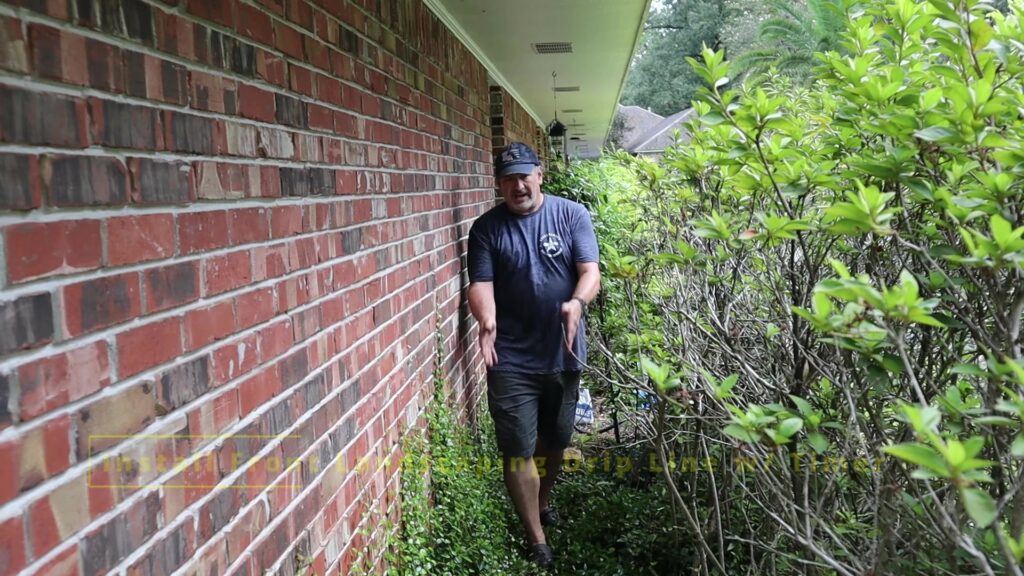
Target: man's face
{"type": "Point", "coordinates": [522, 191]}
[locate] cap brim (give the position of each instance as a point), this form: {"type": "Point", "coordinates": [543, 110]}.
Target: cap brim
{"type": "Point", "coordinates": [517, 169]}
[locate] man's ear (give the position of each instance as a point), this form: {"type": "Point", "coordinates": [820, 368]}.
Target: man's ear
{"type": "Point", "coordinates": [540, 174]}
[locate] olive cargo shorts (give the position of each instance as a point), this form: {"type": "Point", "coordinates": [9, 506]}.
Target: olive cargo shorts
{"type": "Point", "coordinates": [526, 407]}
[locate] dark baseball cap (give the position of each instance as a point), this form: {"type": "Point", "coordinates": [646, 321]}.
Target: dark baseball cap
{"type": "Point", "coordinates": [515, 158]}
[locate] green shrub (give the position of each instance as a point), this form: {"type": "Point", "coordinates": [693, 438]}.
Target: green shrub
{"type": "Point", "coordinates": [825, 290]}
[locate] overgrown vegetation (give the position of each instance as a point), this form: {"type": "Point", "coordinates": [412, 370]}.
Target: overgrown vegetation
{"type": "Point", "coordinates": [824, 291]}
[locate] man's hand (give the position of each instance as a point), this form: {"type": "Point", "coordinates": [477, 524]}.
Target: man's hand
{"type": "Point", "coordinates": [572, 311]}
{"type": "Point", "coordinates": [486, 337]}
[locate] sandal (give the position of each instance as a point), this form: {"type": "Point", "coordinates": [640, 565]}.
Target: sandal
{"type": "Point", "coordinates": [549, 517]}
{"type": "Point", "coordinates": [542, 555]}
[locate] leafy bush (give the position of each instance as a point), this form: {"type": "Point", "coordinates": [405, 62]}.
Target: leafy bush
{"type": "Point", "coordinates": [824, 289]}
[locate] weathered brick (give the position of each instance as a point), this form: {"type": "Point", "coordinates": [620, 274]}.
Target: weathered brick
{"type": "Point", "coordinates": [301, 81]}
{"type": "Point", "coordinates": [85, 181]}
{"type": "Point", "coordinates": [221, 181]}
{"type": "Point", "coordinates": [55, 381]}
{"type": "Point", "coordinates": [271, 68]}
{"type": "Point", "coordinates": [226, 272]}
{"type": "Point", "coordinates": [58, 55]}
{"type": "Point", "coordinates": [58, 515]}
{"type": "Point", "coordinates": [207, 325]}
{"type": "Point", "coordinates": [132, 239]}
{"type": "Point", "coordinates": [288, 40]}
{"type": "Point", "coordinates": [201, 231]}
{"type": "Point", "coordinates": [12, 545]}
{"type": "Point", "coordinates": [148, 346]}
{"type": "Point", "coordinates": [290, 111]}
{"type": "Point", "coordinates": [189, 133]}
{"type": "Point", "coordinates": [241, 139]}
{"type": "Point", "coordinates": [13, 55]}
{"type": "Point", "coordinates": [105, 66]}
{"type": "Point", "coordinates": [44, 452]}
{"type": "Point", "coordinates": [234, 359]}
{"type": "Point", "coordinates": [125, 126]}
{"type": "Point", "coordinates": [294, 368]}
{"type": "Point", "coordinates": [25, 323]}
{"type": "Point", "coordinates": [275, 143]}
{"type": "Point", "coordinates": [155, 182]}
{"type": "Point", "coordinates": [173, 84]}
{"type": "Point", "coordinates": [71, 246]}
{"type": "Point", "coordinates": [6, 418]}
{"type": "Point", "coordinates": [40, 118]}
{"type": "Point", "coordinates": [171, 286]}
{"type": "Point", "coordinates": [102, 548]}
{"type": "Point", "coordinates": [213, 93]}
{"type": "Point", "coordinates": [19, 175]}
{"type": "Point", "coordinates": [233, 54]}
{"type": "Point", "coordinates": [167, 554]}
{"type": "Point", "coordinates": [100, 302]}
{"type": "Point", "coordinates": [65, 563]}
{"type": "Point", "coordinates": [184, 383]}
{"type": "Point", "coordinates": [295, 182]}
{"type": "Point", "coordinates": [114, 419]}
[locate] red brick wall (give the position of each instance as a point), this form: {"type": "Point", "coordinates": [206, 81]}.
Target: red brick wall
{"type": "Point", "coordinates": [228, 229]}
{"type": "Point", "coordinates": [510, 122]}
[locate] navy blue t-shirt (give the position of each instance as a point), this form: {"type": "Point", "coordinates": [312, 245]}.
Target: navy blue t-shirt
{"type": "Point", "coordinates": [532, 261]}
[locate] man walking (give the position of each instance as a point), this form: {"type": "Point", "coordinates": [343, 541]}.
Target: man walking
{"type": "Point", "coordinates": [533, 268]}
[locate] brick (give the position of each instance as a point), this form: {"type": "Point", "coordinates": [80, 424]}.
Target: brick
{"type": "Point", "coordinates": [65, 563]}
{"type": "Point", "coordinates": [288, 40]}
{"type": "Point", "coordinates": [248, 226]}
{"type": "Point", "coordinates": [39, 118]}
{"type": "Point", "coordinates": [270, 182]}
{"type": "Point", "coordinates": [114, 419]}
{"type": "Point", "coordinates": [171, 286]}
{"type": "Point", "coordinates": [234, 359]}
{"type": "Point", "coordinates": [175, 35]}
{"type": "Point", "coordinates": [276, 339]}
{"type": "Point", "coordinates": [222, 12]}
{"type": "Point", "coordinates": [148, 346]}
{"type": "Point", "coordinates": [254, 308]}
{"type": "Point", "coordinates": [271, 68]}
{"type": "Point", "coordinates": [125, 126]}
{"type": "Point", "coordinates": [201, 231]}
{"type": "Point", "coordinates": [301, 80]}
{"type": "Point", "coordinates": [133, 239]}
{"type": "Point", "coordinates": [58, 515]}
{"type": "Point", "coordinates": [256, 390]}
{"type": "Point", "coordinates": [290, 111]}
{"type": "Point", "coordinates": [99, 303]}
{"type": "Point", "coordinates": [213, 93]}
{"type": "Point", "coordinates": [207, 325]}
{"type": "Point", "coordinates": [293, 368]}
{"type": "Point", "coordinates": [71, 246]}
{"type": "Point", "coordinates": [85, 181]}
{"type": "Point", "coordinates": [212, 418]}
{"type": "Point", "coordinates": [166, 81]}
{"type": "Point", "coordinates": [55, 381]}
{"type": "Point", "coordinates": [155, 182]}
{"type": "Point", "coordinates": [137, 20]}
{"type": "Point", "coordinates": [102, 548]}
{"type": "Point", "coordinates": [44, 452]}
{"type": "Point", "coordinates": [189, 133]}
{"type": "Point", "coordinates": [255, 24]}
{"type": "Point", "coordinates": [167, 554]}
{"type": "Point", "coordinates": [184, 383]}
{"type": "Point", "coordinates": [104, 66]}
{"type": "Point", "coordinates": [20, 176]}
{"type": "Point", "coordinates": [26, 323]}
{"type": "Point", "coordinates": [285, 220]}
{"type": "Point", "coordinates": [233, 54]}
{"type": "Point", "coordinates": [240, 140]}
{"type": "Point", "coordinates": [320, 118]}
{"type": "Point", "coordinates": [221, 181]}
{"type": "Point", "coordinates": [12, 545]}
{"type": "Point", "coordinates": [6, 418]}
{"type": "Point", "coordinates": [256, 103]}
{"type": "Point", "coordinates": [275, 143]}
{"type": "Point", "coordinates": [58, 55]}
{"type": "Point", "coordinates": [10, 483]}
{"type": "Point", "coordinates": [227, 272]}
{"type": "Point", "coordinates": [13, 53]}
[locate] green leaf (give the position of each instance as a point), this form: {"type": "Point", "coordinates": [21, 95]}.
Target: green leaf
{"type": "Point", "coordinates": [740, 433]}
{"type": "Point", "coordinates": [818, 441]}
{"type": "Point", "coordinates": [916, 453]}
{"type": "Point", "coordinates": [979, 506]}
{"type": "Point", "coordinates": [935, 134]}
{"type": "Point", "coordinates": [1017, 448]}
{"type": "Point", "coordinates": [802, 405]}
{"type": "Point", "coordinates": [790, 426]}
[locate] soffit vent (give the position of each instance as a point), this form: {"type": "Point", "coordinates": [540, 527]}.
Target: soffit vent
{"type": "Point", "coordinates": [572, 110]}
{"type": "Point", "coordinates": [552, 47]}
{"type": "Point", "coordinates": [567, 89]}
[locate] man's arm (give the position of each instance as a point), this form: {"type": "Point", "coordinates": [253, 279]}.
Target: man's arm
{"type": "Point", "coordinates": [481, 305]}
{"type": "Point", "coordinates": [587, 285]}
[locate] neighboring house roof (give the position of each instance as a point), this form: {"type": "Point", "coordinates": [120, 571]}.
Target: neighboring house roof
{"type": "Point", "coordinates": [638, 121]}
{"type": "Point", "coordinates": [662, 135]}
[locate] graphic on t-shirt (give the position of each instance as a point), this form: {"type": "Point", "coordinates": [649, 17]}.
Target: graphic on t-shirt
{"type": "Point", "coordinates": [551, 245]}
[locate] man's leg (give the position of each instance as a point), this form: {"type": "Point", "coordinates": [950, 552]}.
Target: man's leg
{"type": "Point", "coordinates": [557, 416]}
{"type": "Point", "coordinates": [523, 483]}
{"type": "Point", "coordinates": [513, 400]}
